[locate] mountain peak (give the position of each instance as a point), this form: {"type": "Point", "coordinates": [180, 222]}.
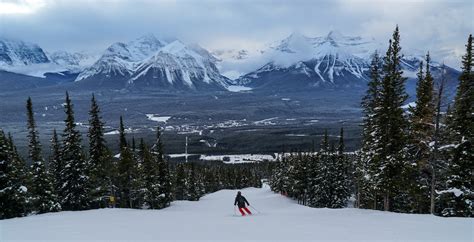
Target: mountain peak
{"type": "Point", "coordinates": [335, 35]}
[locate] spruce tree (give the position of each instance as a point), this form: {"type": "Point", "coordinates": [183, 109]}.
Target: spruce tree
{"type": "Point", "coordinates": [75, 189]}
{"type": "Point", "coordinates": [421, 132]}
{"type": "Point", "coordinates": [13, 181]}
{"type": "Point", "coordinates": [180, 183]}
{"type": "Point", "coordinates": [340, 187]}
{"type": "Point", "coordinates": [55, 164]}
{"type": "Point", "coordinates": [42, 192]}
{"type": "Point", "coordinates": [127, 172]}
{"type": "Point", "coordinates": [458, 197]}
{"type": "Point", "coordinates": [192, 188]}
{"type": "Point", "coordinates": [393, 125]}
{"type": "Point", "coordinates": [100, 159]}
{"type": "Point", "coordinates": [164, 179]}
{"type": "Point", "coordinates": [149, 176]}
{"type": "Point", "coordinates": [369, 156]}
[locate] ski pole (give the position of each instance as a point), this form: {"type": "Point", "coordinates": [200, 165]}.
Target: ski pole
{"type": "Point", "coordinates": [235, 211]}
{"type": "Point", "coordinates": [254, 208]}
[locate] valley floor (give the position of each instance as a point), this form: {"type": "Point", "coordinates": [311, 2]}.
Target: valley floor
{"type": "Point", "coordinates": [213, 219]}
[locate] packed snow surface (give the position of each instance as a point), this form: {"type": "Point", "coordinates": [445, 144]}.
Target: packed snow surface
{"type": "Point", "coordinates": [213, 219]}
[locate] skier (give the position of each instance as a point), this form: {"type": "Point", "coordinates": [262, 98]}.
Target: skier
{"type": "Point", "coordinates": [241, 201]}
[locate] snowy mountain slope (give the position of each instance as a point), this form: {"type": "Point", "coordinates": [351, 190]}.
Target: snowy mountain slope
{"type": "Point", "coordinates": [119, 60]}
{"type": "Point", "coordinates": [299, 62]}
{"type": "Point", "coordinates": [16, 52]}
{"type": "Point", "coordinates": [178, 66]}
{"type": "Point", "coordinates": [73, 62]}
{"type": "Point", "coordinates": [150, 63]}
{"type": "Point", "coordinates": [213, 219]}
{"type": "Point", "coordinates": [332, 60]}
{"type": "Point", "coordinates": [30, 59]}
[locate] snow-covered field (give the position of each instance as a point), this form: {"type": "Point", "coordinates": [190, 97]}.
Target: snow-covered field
{"type": "Point", "coordinates": [213, 219]}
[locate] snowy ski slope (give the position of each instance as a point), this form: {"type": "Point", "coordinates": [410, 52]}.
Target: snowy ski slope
{"type": "Point", "coordinates": [213, 219]}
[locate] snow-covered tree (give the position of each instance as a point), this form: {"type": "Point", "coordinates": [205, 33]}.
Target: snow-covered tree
{"type": "Point", "coordinates": [55, 163]}
{"type": "Point", "coordinates": [100, 158]}
{"type": "Point", "coordinates": [180, 183]}
{"type": "Point", "coordinates": [393, 125]}
{"type": "Point", "coordinates": [340, 187]}
{"type": "Point", "coordinates": [127, 169]}
{"type": "Point", "coordinates": [421, 131]}
{"type": "Point", "coordinates": [163, 174]}
{"type": "Point", "coordinates": [43, 197]}
{"type": "Point", "coordinates": [458, 196]}
{"type": "Point", "coordinates": [13, 181]}
{"type": "Point", "coordinates": [369, 157]}
{"type": "Point", "coordinates": [75, 190]}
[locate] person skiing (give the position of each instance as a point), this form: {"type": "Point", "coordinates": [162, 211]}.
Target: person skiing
{"type": "Point", "coordinates": [241, 201]}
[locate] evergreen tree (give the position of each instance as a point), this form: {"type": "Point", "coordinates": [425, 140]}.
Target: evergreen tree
{"type": "Point", "coordinates": [192, 188]}
{"type": "Point", "coordinates": [421, 135]}
{"type": "Point", "coordinates": [339, 173]}
{"type": "Point", "coordinates": [127, 172]}
{"type": "Point", "coordinates": [42, 192]}
{"type": "Point", "coordinates": [55, 164]}
{"type": "Point", "coordinates": [393, 125]}
{"type": "Point", "coordinates": [163, 174]}
{"type": "Point", "coordinates": [13, 188]}
{"type": "Point", "coordinates": [100, 159]}
{"type": "Point", "coordinates": [180, 183]}
{"type": "Point", "coordinates": [149, 173]}
{"type": "Point", "coordinates": [369, 157]}
{"type": "Point", "coordinates": [75, 189]}
{"type": "Point", "coordinates": [458, 197]}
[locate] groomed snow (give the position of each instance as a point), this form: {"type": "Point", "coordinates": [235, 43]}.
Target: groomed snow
{"type": "Point", "coordinates": [212, 219]}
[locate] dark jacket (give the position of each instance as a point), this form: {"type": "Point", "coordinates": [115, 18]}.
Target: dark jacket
{"type": "Point", "coordinates": [241, 201]}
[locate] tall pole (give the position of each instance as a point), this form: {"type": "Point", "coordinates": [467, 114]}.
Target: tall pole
{"type": "Point", "coordinates": [186, 150]}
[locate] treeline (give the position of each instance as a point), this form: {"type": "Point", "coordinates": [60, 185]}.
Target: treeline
{"type": "Point", "coordinates": [74, 178]}
{"type": "Point", "coordinates": [414, 161]}
{"type": "Point", "coordinates": [321, 179]}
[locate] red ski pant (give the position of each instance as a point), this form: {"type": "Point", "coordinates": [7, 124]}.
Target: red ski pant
{"type": "Point", "coordinates": [244, 209]}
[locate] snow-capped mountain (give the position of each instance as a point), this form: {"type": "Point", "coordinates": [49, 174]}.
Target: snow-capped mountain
{"type": "Point", "coordinates": [119, 60]}
{"type": "Point", "coordinates": [16, 53]}
{"type": "Point", "coordinates": [299, 62]}
{"type": "Point", "coordinates": [302, 61]}
{"type": "Point", "coordinates": [152, 63]}
{"type": "Point", "coordinates": [30, 59]}
{"type": "Point", "coordinates": [177, 66]}
{"type": "Point", "coordinates": [73, 62]}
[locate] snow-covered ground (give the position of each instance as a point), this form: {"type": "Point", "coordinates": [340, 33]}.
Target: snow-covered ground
{"type": "Point", "coordinates": [240, 158]}
{"type": "Point", "coordinates": [213, 219]}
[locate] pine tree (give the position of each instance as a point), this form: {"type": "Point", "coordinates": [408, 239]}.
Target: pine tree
{"type": "Point", "coordinates": [75, 189]}
{"type": "Point", "coordinates": [458, 197]}
{"type": "Point", "coordinates": [149, 173]}
{"type": "Point", "coordinates": [127, 172]}
{"type": "Point", "coordinates": [55, 164]}
{"type": "Point", "coordinates": [369, 157]}
{"type": "Point", "coordinates": [192, 189]}
{"type": "Point", "coordinates": [421, 134]}
{"type": "Point", "coordinates": [100, 159]}
{"type": "Point", "coordinates": [42, 192]}
{"type": "Point", "coordinates": [13, 187]}
{"type": "Point", "coordinates": [164, 180]}
{"type": "Point", "coordinates": [339, 173]}
{"type": "Point", "coordinates": [180, 183]}
{"type": "Point", "coordinates": [392, 126]}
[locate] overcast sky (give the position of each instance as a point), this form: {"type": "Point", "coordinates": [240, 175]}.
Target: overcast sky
{"type": "Point", "coordinates": [94, 24]}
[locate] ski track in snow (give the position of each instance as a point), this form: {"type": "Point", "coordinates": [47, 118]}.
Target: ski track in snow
{"type": "Point", "coordinates": [213, 219]}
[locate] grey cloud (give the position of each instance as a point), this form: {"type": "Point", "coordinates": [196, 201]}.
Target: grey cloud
{"type": "Point", "coordinates": [93, 25]}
